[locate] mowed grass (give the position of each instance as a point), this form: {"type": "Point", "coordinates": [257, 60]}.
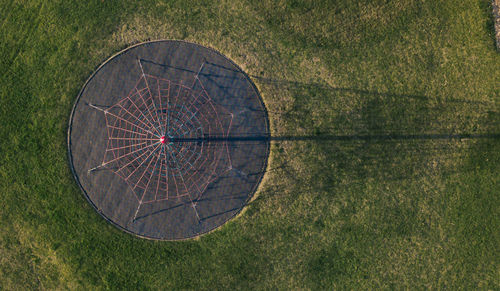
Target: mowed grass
{"type": "Point", "coordinates": [344, 214]}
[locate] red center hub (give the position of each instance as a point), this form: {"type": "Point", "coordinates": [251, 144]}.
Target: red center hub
{"type": "Point", "coordinates": [163, 139]}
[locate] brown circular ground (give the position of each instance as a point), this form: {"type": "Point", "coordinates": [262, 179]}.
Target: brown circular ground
{"type": "Point", "coordinates": [215, 147]}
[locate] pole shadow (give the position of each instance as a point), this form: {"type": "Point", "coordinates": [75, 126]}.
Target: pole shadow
{"type": "Point", "coordinates": [338, 137]}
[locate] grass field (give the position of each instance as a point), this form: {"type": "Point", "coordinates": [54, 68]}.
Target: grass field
{"type": "Point", "coordinates": [420, 211]}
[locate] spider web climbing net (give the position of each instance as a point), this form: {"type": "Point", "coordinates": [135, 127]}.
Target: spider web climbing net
{"type": "Point", "coordinates": [159, 140]}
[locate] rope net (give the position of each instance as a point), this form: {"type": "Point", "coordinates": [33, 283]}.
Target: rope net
{"type": "Point", "coordinates": [158, 140]}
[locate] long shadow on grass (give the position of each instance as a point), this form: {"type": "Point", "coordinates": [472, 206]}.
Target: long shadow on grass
{"type": "Point", "coordinates": [361, 135]}
{"type": "Point", "coordinates": [337, 137]}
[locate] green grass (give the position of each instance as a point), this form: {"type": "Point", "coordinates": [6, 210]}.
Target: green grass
{"type": "Point", "coordinates": [392, 214]}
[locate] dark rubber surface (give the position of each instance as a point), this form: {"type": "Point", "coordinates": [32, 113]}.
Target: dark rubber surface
{"type": "Point", "coordinates": [224, 185]}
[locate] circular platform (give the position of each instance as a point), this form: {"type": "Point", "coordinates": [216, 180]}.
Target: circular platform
{"type": "Point", "coordinates": [168, 140]}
